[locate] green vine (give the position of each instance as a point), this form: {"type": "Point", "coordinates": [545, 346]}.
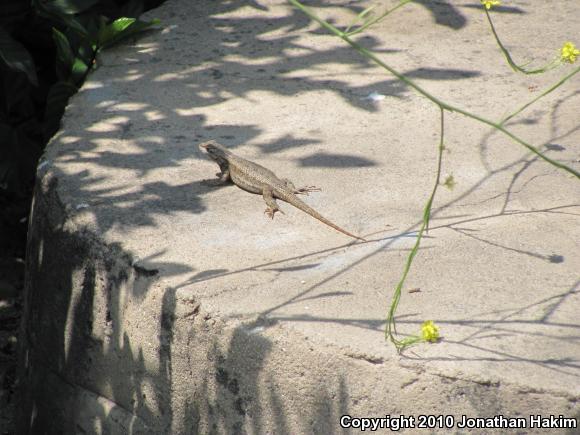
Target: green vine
{"type": "Point", "coordinates": [429, 331]}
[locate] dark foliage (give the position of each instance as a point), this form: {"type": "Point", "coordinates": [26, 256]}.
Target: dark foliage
{"type": "Point", "coordinates": [47, 48]}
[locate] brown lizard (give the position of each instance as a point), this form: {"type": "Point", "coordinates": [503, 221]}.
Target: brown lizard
{"type": "Point", "coordinates": [256, 179]}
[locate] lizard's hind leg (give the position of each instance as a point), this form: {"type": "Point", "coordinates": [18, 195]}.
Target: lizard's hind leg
{"type": "Point", "coordinates": [272, 205]}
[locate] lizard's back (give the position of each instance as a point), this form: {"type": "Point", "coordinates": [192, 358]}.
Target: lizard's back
{"type": "Point", "coordinates": [250, 176]}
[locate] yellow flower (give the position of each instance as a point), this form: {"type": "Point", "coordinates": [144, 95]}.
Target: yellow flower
{"type": "Point", "coordinates": [430, 331]}
{"type": "Point", "coordinates": [569, 52]}
{"type": "Point", "coordinates": [489, 3]}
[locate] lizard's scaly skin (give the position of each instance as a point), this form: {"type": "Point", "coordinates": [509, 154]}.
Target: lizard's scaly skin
{"type": "Point", "coordinates": [256, 179]}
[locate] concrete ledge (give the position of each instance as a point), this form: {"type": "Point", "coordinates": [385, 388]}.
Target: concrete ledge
{"type": "Point", "coordinates": [157, 303]}
{"type": "Point", "coordinates": [101, 359]}
{"type": "Point", "coordinates": [109, 350]}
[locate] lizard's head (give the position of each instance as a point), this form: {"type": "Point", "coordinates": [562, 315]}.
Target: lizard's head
{"type": "Point", "coordinates": [214, 149]}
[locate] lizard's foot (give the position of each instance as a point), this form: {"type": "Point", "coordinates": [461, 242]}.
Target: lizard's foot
{"type": "Point", "coordinates": [304, 190]}
{"type": "Point", "coordinates": [223, 177]}
{"type": "Point", "coordinates": [270, 212]}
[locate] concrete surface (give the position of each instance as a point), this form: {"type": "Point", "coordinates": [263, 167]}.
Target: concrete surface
{"type": "Point", "coordinates": [158, 303]}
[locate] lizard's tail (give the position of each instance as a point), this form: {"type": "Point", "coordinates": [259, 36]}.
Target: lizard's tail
{"type": "Point", "coordinates": [307, 209]}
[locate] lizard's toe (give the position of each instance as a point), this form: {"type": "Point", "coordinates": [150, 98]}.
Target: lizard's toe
{"type": "Point", "coordinates": [270, 212]}
{"type": "Point", "coordinates": [304, 190]}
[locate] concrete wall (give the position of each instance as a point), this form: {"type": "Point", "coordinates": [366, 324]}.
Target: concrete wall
{"type": "Point", "coordinates": [108, 349]}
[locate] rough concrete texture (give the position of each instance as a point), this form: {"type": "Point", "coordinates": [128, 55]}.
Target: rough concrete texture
{"type": "Point", "coordinates": [158, 303]}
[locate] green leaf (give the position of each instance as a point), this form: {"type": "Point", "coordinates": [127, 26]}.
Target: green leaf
{"type": "Point", "coordinates": [79, 71]}
{"type": "Point", "coordinates": [52, 12]}
{"type": "Point", "coordinates": [109, 33]}
{"type": "Point", "coordinates": [120, 29]}
{"type": "Point", "coordinates": [366, 12]}
{"type": "Point", "coordinates": [86, 52]}
{"type": "Point", "coordinates": [16, 57]}
{"type": "Point", "coordinates": [70, 7]}
{"type": "Point", "coordinates": [360, 17]}
{"type": "Point", "coordinates": [63, 50]}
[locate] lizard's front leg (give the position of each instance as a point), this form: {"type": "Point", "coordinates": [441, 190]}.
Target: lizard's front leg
{"type": "Point", "coordinates": [223, 177]}
{"type": "Point", "coordinates": [303, 190]}
{"type": "Point", "coordinates": [224, 174]}
{"type": "Point", "coordinates": [270, 202]}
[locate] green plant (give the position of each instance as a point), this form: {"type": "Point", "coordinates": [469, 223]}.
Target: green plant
{"type": "Point", "coordinates": [47, 49]}
{"type": "Point", "coordinates": [568, 54]}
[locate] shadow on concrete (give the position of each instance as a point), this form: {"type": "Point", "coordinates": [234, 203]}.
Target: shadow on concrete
{"type": "Point", "coordinates": [79, 358]}
{"type": "Point", "coordinates": [328, 160]}
{"type": "Point", "coordinates": [500, 9]}
{"type": "Point", "coordinates": [221, 68]}
{"type": "Point", "coordinates": [516, 322]}
{"type": "Point", "coordinates": [209, 76]}
{"type": "Point", "coordinates": [74, 356]}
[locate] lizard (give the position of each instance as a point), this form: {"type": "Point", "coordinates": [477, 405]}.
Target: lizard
{"type": "Point", "coordinates": [255, 178]}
